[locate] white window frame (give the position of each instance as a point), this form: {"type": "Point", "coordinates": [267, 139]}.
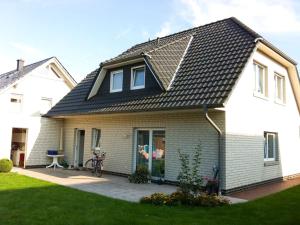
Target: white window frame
{"type": "Point", "coordinates": [93, 144]}
{"type": "Point", "coordinates": [278, 100]}
{"type": "Point", "coordinates": [132, 87]}
{"type": "Point", "coordinates": [263, 94]}
{"type": "Point", "coordinates": [46, 99]}
{"type": "Point", "coordinates": [267, 146]}
{"type": "Point", "coordinates": [19, 98]}
{"type": "Point", "coordinates": [135, 145]}
{"type": "Point", "coordinates": [112, 73]}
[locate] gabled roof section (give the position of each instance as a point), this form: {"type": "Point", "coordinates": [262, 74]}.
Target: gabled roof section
{"type": "Point", "coordinates": [6, 79]}
{"type": "Point", "coordinates": [11, 77]}
{"type": "Point", "coordinates": [206, 75]}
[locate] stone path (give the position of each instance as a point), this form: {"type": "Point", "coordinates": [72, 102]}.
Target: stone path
{"type": "Point", "coordinates": [266, 189]}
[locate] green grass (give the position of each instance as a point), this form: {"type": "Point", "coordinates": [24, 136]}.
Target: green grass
{"type": "Point", "coordinates": [25, 200]}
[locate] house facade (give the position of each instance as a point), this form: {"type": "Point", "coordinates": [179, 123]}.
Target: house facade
{"type": "Point", "coordinates": [26, 94]}
{"type": "Point", "coordinates": [220, 85]}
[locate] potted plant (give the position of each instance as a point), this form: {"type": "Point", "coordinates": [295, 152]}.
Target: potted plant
{"type": "Point", "coordinates": [212, 186]}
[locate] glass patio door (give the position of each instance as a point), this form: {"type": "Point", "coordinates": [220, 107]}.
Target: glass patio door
{"type": "Point", "coordinates": [150, 151]}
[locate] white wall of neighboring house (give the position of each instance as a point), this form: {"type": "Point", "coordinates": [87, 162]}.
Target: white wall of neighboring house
{"type": "Point", "coordinates": [248, 117]}
{"type": "Point", "coordinates": [42, 133]}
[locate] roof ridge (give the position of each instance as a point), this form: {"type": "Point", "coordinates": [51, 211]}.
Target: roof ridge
{"type": "Point", "coordinates": [12, 71]}
{"type": "Point", "coordinates": [183, 31]}
{"type": "Point", "coordinates": [245, 27]}
{"type": "Point", "coordinates": [170, 43]}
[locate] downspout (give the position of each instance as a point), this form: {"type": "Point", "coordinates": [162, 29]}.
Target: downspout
{"type": "Point", "coordinates": [219, 143]}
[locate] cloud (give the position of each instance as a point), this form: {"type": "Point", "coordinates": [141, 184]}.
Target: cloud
{"type": "Point", "coordinates": [26, 50]}
{"type": "Point", "coordinates": [17, 50]}
{"type": "Point", "coordinates": [123, 33]}
{"type": "Point", "coordinates": [271, 16]}
{"type": "Point", "coordinates": [7, 64]}
{"type": "Point", "coordinates": [164, 30]}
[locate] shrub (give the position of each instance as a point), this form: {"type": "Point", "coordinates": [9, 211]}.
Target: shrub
{"type": "Point", "coordinates": [190, 181]}
{"type": "Point", "coordinates": [179, 198]}
{"type": "Point", "coordinates": [156, 199]}
{"type": "Point", "coordinates": [140, 176]}
{"type": "Point", "coordinates": [64, 163]}
{"type": "Point", "coordinates": [5, 165]}
{"type": "Point", "coordinates": [209, 200]}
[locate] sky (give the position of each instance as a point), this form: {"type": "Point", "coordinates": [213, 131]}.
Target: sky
{"type": "Point", "coordinates": [83, 33]}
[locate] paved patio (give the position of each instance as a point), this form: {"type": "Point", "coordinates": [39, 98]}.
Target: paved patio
{"type": "Point", "coordinates": [108, 185]}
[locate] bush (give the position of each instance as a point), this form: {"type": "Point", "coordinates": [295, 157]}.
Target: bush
{"type": "Point", "coordinates": [5, 165]}
{"type": "Point", "coordinates": [180, 198]}
{"type": "Point", "coordinates": [210, 200]}
{"type": "Point", "coordinates": [140, 176]}
{"type": "Point", "coordinates": [190, 181]}
{"type": "Point", "coordinates": [156, 199]}
{"type": "Point", "coordinates": [64, 164]}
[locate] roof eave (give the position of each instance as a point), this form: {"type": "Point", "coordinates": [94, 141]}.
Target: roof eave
{"type": "Point", "coordinates": [209, 106]}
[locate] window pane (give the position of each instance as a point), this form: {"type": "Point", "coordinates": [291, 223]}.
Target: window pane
{"type": "Point", "coordinates": [261, 80]}
{"type": "Point", "coordinates": [139, 78]}
{"type": "Point", "coordinates": [16, 102]}
{"type": "Point", "coordinates": [96, 135]}
{"type": "Point", "coordinates": [142, 157]}
{"type": "Point", "coordinates": [117, 81]}
{"type": "Point", "coordinates": [158, 153]}
{"type": "Point", "coordinates": [279, 88]}
{"type": "Point", "coordinates": [46, 105]}
{"type": "Point", "coordinates": [265, 149]}
{"type": "Point", "coordinates": [271, 146]}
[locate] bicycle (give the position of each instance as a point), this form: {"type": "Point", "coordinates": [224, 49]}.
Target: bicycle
{"type": "Point", "coordinates": [95, 164]}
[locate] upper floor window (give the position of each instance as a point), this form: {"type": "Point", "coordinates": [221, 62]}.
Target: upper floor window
{"type": "Point", "coordinates": [16, 102]}
{"type": "Point", "coordinates": [45, 105]}
{"type": "Point", "coordinates": [279, 88]}
{"type": "Point", "coordinates": [270, 146]}
{"type": "Point", "coordinates": [261, 80]}
{"type": "Point", "coordinates": [137, 78]}
{"type": "Point", "coordinates": [116, 81]}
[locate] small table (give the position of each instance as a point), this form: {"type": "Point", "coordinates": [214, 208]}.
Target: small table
{"type": "Point", "coordinates": [54, 163]}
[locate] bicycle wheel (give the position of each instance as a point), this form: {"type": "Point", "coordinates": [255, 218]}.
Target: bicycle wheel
{"type": "Point", "coordinates": [98, 169]}
{"type": "Point", "coordinates": [89, 164]}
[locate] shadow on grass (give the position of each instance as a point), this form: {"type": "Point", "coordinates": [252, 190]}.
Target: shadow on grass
{"type": "Point", "coordinates": [28, 201]}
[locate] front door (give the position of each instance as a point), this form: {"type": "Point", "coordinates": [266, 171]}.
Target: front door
{"type": "Point", "coordinates": [150, 151]}
{"type": "Point", "coordinates": [79, 147]}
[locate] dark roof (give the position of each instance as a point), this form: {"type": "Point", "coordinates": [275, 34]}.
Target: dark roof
{"type": "Point", "coordinates": [11, 77]}
{"type": "Point", "coordinates": [213, 61]}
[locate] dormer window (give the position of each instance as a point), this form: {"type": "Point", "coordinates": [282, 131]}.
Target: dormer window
{"type": "Point", "coordinates": [116, 81]}
{"type": "Point", "coordinates": [137, 78]}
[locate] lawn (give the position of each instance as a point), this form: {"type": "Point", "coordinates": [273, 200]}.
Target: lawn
{"type": "Point", "coordinates": [25, 200]}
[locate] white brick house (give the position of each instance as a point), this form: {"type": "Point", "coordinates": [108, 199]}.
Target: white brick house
{"type": "Point", "coordinates": [220, 83]}
{"type": "Point", "coordinates": [25, 95]}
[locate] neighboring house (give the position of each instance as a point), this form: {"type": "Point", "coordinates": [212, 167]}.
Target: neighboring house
{"type": "Point", "coordinates": [221, 84]}
{"type": "Point", "coordinates": [25, 94]}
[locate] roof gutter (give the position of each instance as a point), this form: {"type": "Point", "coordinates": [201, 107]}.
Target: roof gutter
{"type": "Point", "coordinates": [220, 134]}
{"type": "Point", "coordinates": [275, 49]}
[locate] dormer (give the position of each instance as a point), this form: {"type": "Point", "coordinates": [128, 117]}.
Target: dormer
{"type": "Point", "coordinates": [140, 70]}
{"type": "Point", "coordinates": [129, 79]}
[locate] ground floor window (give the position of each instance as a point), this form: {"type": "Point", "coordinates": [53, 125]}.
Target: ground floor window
{"type": "Point", "coordinates": [150, 151]}
{"type": "Point", "coordinates": [96, 135]}
{"type": "Point", "coordinates": [270, 146]}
